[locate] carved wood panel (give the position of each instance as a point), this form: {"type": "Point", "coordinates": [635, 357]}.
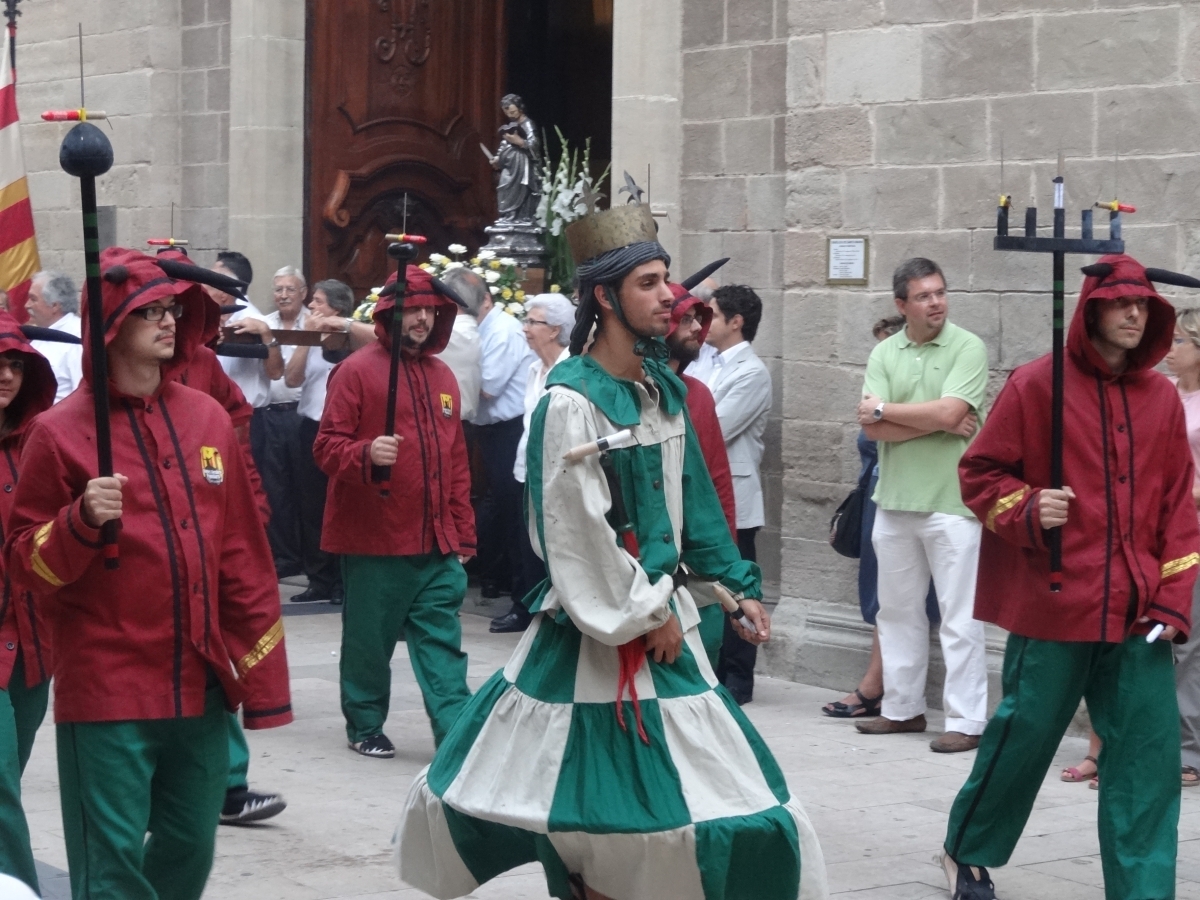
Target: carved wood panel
{"type": "Point", "coordinates": [400, 94]}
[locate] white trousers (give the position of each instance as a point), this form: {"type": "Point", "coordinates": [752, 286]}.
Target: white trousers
{"type": "Point", "coordinates": [911, 547]}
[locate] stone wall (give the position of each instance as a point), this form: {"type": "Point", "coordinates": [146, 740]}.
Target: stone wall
{"type": "Point", "coordinates": [898, 112]}
{"type": "Point", "coordinates": [798, 120]}
{"type": "Point", "coordinates": [207, 106]}
{"type": "Point", "coordinates": [160, 68]}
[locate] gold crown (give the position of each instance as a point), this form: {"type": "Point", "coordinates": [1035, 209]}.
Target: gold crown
{"type": "Point", "coordinates": [611, 229]}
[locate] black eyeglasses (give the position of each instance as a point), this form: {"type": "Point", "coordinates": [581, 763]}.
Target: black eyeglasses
{"type": "Point", "coordinates": [158, 313]}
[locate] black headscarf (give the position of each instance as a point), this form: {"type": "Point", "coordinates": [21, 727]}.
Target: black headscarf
{"type": "Point", "coordinates": [609, 269]}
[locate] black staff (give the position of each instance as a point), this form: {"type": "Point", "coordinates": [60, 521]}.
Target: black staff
{"type": "Point", "coordinates": [87, 153]}
{"type": "Point", "coordinates": [1058, 246]}
{"type": "Point", "coordinates": [403, 253]}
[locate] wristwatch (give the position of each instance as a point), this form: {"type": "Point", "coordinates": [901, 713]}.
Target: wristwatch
{"type": "Point", "coordinates": [274, 343]}
{"type": "Point", "coordinates": [878, 413]}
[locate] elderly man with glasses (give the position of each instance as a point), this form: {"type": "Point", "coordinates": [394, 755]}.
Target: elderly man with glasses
{"type": "Point", "coordinates": [281, 458]}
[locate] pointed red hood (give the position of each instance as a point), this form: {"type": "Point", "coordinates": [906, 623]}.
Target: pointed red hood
{"type": "Point", "coordinates": [1127, 279]}
{"type": "Point", "coordinates": [419, 292]}
{"type": "Point", "coordinates": [131, 280]}
{"type": "Point", "coordinates": [684, 303]}
{"type": "Point", "coordinates": [39, 385]}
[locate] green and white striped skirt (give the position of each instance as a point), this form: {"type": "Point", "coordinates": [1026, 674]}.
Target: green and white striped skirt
{"type": "Point", "coordinates": [538, 768]}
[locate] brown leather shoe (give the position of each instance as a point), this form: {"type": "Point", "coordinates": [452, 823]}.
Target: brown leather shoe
{"type": "Point", "coordinates": [891, 726]}
{"type": "Point", "coordinates": [954, 742]}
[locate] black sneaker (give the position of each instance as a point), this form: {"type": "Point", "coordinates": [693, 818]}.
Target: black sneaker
{"type": "Point", "coordinates": [377, 746]}
{"type": "Point", "coordinates": [243, 806]}
{"type": "Point", "coordinates": [967, 882]}
{"type": "Point", "coordinates": [310, 595]}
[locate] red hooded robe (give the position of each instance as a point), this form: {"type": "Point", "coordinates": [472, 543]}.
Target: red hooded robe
{"type": "Point", "coordinates": [428, 507]}
{"type": "Point", "coordinates": [702, 409]}
{"type": "Point", "coordinates": [1131, 539]}
{"type": "Point", "coordinates": [195, 596]}
{"type": "Point", "coordinates": [22, 630]}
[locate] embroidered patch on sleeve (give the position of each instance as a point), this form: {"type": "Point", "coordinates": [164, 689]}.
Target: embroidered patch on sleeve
{"type": "Point", "coordinates": [210, 464]}
{"type": "Point", "coordinates": [447, 405]}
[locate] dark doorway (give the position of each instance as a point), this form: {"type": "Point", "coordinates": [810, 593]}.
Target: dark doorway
{"type": "Point", "coordinates": [560, 61]}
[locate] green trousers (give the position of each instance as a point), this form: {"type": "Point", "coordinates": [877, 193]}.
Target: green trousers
{"type": "Point", "coordinates": [419, 597]}
{"type": "Point", "coordinates": [140, 803]}
{"type": "Point", "coordinates": [21, 712]}
{"type": "Point", "coordinates": [1130, 693]}
{"type": "Point", "coordinates": [239, 755]}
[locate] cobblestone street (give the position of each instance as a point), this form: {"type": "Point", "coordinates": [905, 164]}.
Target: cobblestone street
{"type": "Point", "coordinates": [878, 804]}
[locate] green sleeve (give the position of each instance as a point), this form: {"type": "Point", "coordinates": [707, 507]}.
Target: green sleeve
{"type": "Point", "coordinates": [967, 379]}
{"type": "Point", "coordinates": [707, 548]}
{"type": "Point", "coordinates": [877, 380]}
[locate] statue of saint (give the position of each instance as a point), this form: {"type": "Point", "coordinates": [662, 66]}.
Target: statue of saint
{"type": "Point", "coordinates": [519, 161]}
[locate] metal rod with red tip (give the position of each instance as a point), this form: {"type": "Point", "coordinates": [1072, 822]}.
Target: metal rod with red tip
{"type": "Point", "coordinates": [406, 238]}
{"type": "Point", "coordinates": [73, 115]}
{"type": "Point", "coordinates": [167, 242]}
{"type": "Point", "coordinates": [1115, 206]}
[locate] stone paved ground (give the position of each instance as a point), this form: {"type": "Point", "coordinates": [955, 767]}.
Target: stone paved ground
{"type": "Point", "coordinates": [879, 804]}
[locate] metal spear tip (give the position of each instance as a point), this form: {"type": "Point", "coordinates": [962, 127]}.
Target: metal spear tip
{"type": "Point", "coordinates": [85, 152]}
{"type": "Point", "coordinates": [73, 115]}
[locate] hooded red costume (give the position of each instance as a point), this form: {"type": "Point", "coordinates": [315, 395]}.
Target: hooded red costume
{"type": "Point", "coordinates": [21, 628]}
{"type": "Point", "coordinates": [1131, 540]}
{"type": "Point", "coordinates": [195, 596]}
{"type": "Point", "coordinates": [428, 507]}
{"type": "Point", "coordinates": [702, 408]}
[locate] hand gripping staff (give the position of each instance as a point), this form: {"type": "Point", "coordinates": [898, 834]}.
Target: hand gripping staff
{"type": "Point", "coordinates": [86, 153]}
{"type": "Point", "coordinates": [404, 253]}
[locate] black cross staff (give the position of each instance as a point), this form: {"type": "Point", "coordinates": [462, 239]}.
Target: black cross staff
{"type": "Point", "coordinates": [403, 253]}
{"type": "Point", "coordinates": [1059, 246]}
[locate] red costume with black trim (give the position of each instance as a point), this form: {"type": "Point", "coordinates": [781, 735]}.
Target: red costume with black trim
{"type": "Point", "coordinates": [195, 597]}
{"type": "Point", "coordinates": [428, 507]}
{"type": "Point", "coordinates": [702, 409]}
{"type": "Point", "coordinates": [1124, 441]}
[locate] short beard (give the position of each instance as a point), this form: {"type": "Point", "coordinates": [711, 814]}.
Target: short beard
{"type": "Point", "coordinates": [681, 354]}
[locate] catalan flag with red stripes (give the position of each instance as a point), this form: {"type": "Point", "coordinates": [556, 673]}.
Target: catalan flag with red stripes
{"type": "Point", "coordinates": [18, 244]}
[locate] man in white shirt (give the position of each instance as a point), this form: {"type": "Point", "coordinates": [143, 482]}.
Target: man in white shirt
{"type": "Point", "coordinates": [741, 387]}
{"type": "Point", "coordinates": [54, 303]}
{"type": "Point", "coordinates": [505, 359]}
{"type": "Point", "coordinates": [308, 369]}
{"type": "Point", "coordinates": [463, 353]}
{"type": "Point", "coordinates": [282, 459]}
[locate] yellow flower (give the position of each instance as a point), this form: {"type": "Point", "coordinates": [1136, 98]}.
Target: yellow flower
{"type": "Point", "coordinates": [495, 264]}
{"type": "Point", "coordinates": [554, 288]}
{"type": "Point", "coordinates": [506, 293]}
{"type": "Point", "coordinates": [427, 267]}
{"type": "Point", "coordinates": [474, 260]}
{"type": "Point", "coordinates": [520, 295]}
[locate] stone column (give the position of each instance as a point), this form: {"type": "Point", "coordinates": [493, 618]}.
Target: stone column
{"type": "Point", "coordinates": [266, 137]}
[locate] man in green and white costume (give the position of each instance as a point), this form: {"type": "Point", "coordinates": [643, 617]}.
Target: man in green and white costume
{"type": "Point", "coordinates": [605, 749]}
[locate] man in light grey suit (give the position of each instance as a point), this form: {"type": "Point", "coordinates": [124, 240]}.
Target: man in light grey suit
{"type": "Point", "coordinates": [741, 387]}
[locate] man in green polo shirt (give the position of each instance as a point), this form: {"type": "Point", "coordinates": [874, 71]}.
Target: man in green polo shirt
{"type": "Point", "coordinates": [923, 402]}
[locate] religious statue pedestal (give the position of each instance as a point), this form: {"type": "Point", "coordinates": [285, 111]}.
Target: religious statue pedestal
{"type": "Point", "coordinates": [520, 241]}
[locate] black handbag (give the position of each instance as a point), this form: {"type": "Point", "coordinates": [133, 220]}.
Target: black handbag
{"type": "Point", "coordinates": [845, 528]}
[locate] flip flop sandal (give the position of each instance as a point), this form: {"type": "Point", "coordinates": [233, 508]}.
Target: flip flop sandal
{"type": "Point", "coordinates": [1094, 784]}
{"type": "Point", "coordinates": [867, 707]}
{"type": "Point", "coordinates": [1192, 771]}
{"type": "Point", "coordinates": [1072, 775]}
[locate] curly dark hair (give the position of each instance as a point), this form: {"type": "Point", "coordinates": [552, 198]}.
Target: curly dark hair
{"type": "Point", "coordinates": [512, 100]}
{"type": "Point", "coordinates": [740, 300]}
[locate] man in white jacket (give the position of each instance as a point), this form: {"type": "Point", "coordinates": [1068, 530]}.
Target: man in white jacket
{"type": "Point", "coordinates": [741, 387]}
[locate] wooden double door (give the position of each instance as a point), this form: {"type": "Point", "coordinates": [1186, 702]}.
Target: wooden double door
{"type": "Point", "coordinates": [400, 95]}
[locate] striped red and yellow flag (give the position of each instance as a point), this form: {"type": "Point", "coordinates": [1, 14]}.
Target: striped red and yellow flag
{"type": "Point", "coordinates": [18, 243]}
